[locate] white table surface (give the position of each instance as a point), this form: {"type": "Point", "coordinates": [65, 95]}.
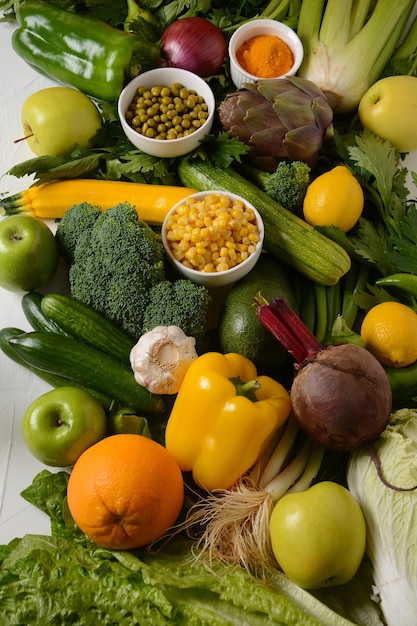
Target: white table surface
{"type": "Point", "coordinates": [17, 386]}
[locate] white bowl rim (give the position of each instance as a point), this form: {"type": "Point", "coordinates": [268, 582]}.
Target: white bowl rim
{"type": "Point", "coordinates": [144, 76]}
{"type": "Point", "coordinates": [202, 194]}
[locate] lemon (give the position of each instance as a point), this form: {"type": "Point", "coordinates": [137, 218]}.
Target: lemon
{"type": "Point", "coordinates": [334, 198]}
{"type": "Point", "coordinates": [389, 331]}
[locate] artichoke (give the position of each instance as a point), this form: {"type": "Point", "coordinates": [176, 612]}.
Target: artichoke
{"type": "Point", "coordinates": [289, 118]}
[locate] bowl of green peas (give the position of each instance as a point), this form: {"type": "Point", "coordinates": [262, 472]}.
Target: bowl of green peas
{"type": "Point", "coordinates": [166, 112]}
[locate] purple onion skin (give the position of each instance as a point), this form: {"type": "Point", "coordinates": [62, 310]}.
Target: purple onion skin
{"type": "Point", "coordinates": [342, 397]}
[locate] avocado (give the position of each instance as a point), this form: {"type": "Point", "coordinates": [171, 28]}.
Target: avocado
{"type": "Point", "coordinates": [239, 327]}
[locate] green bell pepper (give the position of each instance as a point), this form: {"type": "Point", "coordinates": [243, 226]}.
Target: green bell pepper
{"type": "Point", "coordinates": [79, 51]}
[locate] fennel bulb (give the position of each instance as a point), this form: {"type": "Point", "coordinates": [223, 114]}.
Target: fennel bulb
{"type": "Point", "coordinates": [391, 515]}
{"type": "Point", "coordinates": [347, 44]}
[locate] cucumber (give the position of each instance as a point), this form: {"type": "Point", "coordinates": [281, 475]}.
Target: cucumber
{"type": "Point", "coordinates": [88, 366]}
{"type": "Point", "coordinates": [89, 326]}
{"type": "Point", "coordinates": [239, 327]}
{"type": "Point", "coordinates": [31, 306]}
{"type": "Point", "coordinates": [287, 236]}
{"type": "Point", "coordinates": [54, 380]}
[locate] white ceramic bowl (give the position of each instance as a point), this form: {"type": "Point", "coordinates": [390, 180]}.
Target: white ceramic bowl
{"type": "Point", "coordinates": [166, 76]}
{"type": "Point", "coordinates": [256, 28]}
{"type": "Point", "coordinates": [216, 279]}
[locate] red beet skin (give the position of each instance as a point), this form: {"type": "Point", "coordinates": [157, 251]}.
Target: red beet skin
{"type": "Point", "coordinates": [341, 397]}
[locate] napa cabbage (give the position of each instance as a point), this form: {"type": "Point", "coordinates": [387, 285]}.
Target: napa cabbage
{"type": "Point", "coordinates": [391, 515]}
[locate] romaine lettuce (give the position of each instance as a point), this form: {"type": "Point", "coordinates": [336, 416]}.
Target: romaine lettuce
{"type": "Point", "coordinates": [66, 579]}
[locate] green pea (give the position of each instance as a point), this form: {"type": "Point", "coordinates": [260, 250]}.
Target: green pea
{"type": "Point", "coordinates": [165, 113]}
{"type": "Point", "coordinates": [156, 91]}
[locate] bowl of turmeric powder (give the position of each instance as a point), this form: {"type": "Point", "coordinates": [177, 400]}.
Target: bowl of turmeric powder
{"type": "Point", "coordinates": [264, 49]}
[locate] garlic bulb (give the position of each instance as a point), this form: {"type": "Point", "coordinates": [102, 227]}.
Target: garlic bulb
{"type": "Point", "coordinates": [161, 357]}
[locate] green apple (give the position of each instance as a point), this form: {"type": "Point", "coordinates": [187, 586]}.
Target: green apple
{"type": "Point", "coordinates": [59, 425]}
{"type": "Point", "coordinates": [318, 535]}
{"type": "Point", "coordinates": [56, 119]}
{"type": "Point", "coordinates": [29, 254]}
{"type": "Point", "coordinates": [389, 110]}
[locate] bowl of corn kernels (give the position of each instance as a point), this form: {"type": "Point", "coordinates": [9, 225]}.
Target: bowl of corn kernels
{"type": "Point", "coordinates": [167, 111]}
{"type": "Point", "coordinates": [213, 238]}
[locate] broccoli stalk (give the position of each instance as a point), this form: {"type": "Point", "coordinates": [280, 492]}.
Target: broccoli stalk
{"type": "Point", "coordinates": [117, 266]}
{"type": "Point", "coordinates": [287, 185]}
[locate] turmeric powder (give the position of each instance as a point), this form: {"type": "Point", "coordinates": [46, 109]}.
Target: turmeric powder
{"type": "Point", "coordinates": [265, 56]}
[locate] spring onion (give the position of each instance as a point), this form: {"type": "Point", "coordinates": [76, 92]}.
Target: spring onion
{"type": "Point", "coordinates": [348, 44]}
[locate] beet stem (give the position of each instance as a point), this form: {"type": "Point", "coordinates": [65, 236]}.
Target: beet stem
{"type": "Point", "coordinates": [286, 326]}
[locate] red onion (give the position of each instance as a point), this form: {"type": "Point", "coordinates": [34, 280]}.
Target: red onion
{"type": "Point", "coordinates": [340, 395]}
{"type": "Point", "coordinates": [194, 44]}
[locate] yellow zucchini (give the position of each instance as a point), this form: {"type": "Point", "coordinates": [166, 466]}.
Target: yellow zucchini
{"type": "Point", "coordinates": [51, 200]}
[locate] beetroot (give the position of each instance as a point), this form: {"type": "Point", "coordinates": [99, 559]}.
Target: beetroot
{"type": "Point", "coordinates": [340, 395]}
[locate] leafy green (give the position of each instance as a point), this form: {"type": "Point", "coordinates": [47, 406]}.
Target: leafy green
{"type": "Point", "coordinates": [66, 579]}
{"type": "Point", "coordinates": [386, 235]}
{"type": "Point", "coordinates": [391, 515]}
{"type": "Point", "coordinates": [113, 157]}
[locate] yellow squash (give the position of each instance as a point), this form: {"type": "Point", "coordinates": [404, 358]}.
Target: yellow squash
{"type": "Point", "coordinates": [51, 200]}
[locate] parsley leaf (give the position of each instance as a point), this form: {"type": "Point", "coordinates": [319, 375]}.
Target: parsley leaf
{"type": "Point", "coordinates": [385, 237]}
{"type": "Point", "coordinates": [222, 149]}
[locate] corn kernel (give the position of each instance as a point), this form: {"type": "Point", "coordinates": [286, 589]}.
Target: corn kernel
{"type": "Point", "coordinates": [212, 234]}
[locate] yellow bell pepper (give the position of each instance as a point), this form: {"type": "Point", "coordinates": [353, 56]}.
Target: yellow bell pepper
{"type": "Point", "coordinates": [213, 431]}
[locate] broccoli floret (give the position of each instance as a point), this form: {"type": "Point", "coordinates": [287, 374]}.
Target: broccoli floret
{"type": "Point", "coordinates": [116, 261]}
{"type": "Point", "coordinates": [288, 184]}
{"type": "Point", "coordinates": [74, 224]}
{"type": "Point", "coordinates": [180, 303]}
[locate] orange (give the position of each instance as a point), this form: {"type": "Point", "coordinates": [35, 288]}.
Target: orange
{"type": "Point", "coordinates": [334, 198]}
{"type": "Point", "coordinates": [389, 331]}
{"type": "Point", "coordinates": [125, 491]}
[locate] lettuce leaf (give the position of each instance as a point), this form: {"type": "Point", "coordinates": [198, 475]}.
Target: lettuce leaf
{"type": "Point", "coordinates": [67, 579]}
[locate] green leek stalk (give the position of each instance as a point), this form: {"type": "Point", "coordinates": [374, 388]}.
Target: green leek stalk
{"type": "Point", "coordinates": [348, 43]}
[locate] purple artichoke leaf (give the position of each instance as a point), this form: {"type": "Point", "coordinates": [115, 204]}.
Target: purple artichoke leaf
{"type": "Point", "coordinates": [269, 142]}
{"type": "Point", "coordinates": [270, 89]}
{"type": "Point", "coordinates": [322, 112]}
{"type": "Point", "coordinates": [303, 144]}
{"type": "Point", "coordinates": [233, 108]}
{"type": "Point", "coordinates": [294, 110]}
{"type": "Point", "coordinates": [262, 117]}
{"type": "Point", "coordinates": [307, 86]}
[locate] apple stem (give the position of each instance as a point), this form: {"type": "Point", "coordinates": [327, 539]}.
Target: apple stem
{"type": "Point", "coordinates": [23, 138]}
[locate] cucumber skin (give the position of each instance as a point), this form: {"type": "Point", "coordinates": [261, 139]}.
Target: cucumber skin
{"type": "Point", "coordinates": [86, 365]}
{"type": "Point", "coordinates": [287, 236]}
{"type": "Point", "coordinates": [31, 306]}
{"type": "Point", "coordinates": [82, 322]}
{"type": "Point", "coordinates": [54, 380]}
